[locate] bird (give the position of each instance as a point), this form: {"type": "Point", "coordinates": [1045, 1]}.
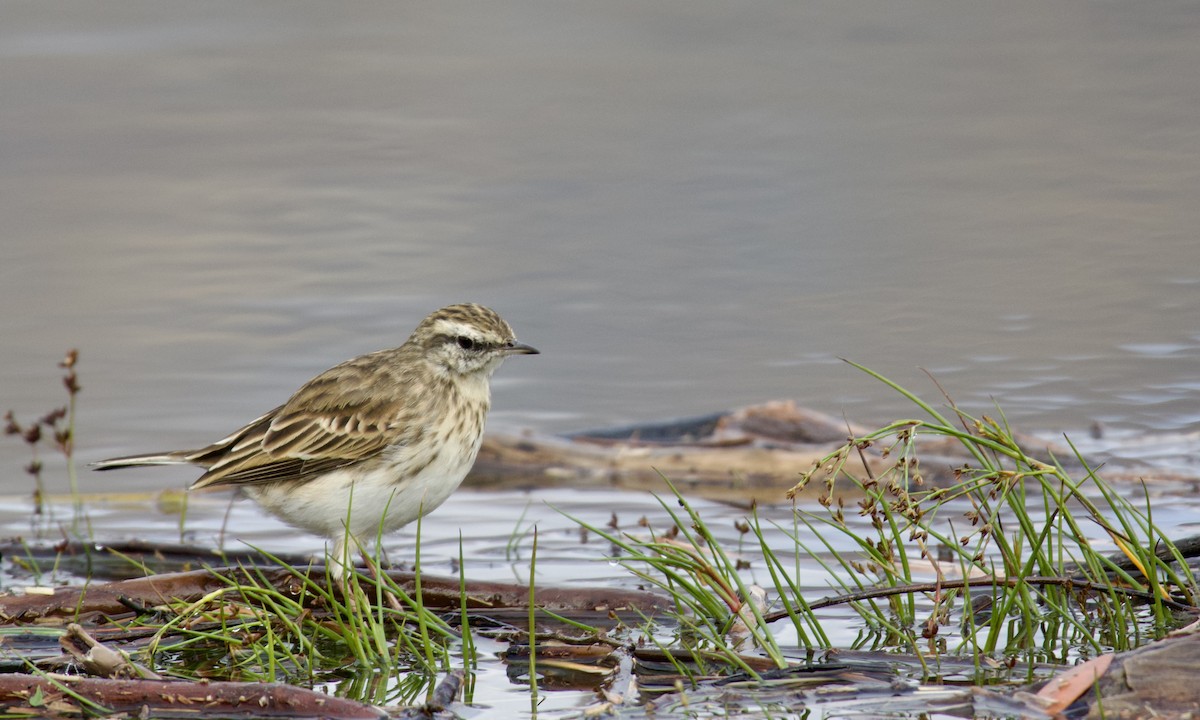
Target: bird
{"type": "Point", "coordinates": [371, 444]}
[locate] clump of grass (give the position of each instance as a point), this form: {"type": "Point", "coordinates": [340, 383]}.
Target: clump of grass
{"type": "Point", "coordinates": [1016, 527]}
{"type": "Point", "coordinates": [56, 427]}
{"type": "Point", "coordinates": [317, 629]}
{"type": "Point", "coordinates": [715, 608]}
{"type": "Point", "coordinates": [361, 630]}
{"type": "Point", "coordinates": [1010, 532]}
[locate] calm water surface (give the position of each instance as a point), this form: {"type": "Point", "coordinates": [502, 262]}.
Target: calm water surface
{"type": "Point", "coordinates": [686, 206]}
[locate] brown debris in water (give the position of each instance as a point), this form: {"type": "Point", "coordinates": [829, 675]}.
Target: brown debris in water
{"type": "Point", "coordinates": [117, 598]}
{"type": "Point", "coordinates": [55, 695]}
{"type": "Point", "coordinates": [752, 454]}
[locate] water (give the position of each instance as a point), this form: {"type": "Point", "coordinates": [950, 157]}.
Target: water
{"type": "Point", "coordinates": [687, 207]}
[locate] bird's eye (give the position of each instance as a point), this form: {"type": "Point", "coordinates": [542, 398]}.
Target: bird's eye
{"type": "Point", "coordinates": [465, 342]}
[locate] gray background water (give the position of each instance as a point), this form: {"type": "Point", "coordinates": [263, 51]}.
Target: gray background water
{"type": "Point", "coordinates": [687, 206]}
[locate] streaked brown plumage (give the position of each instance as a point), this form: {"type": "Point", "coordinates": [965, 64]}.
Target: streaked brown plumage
{"type": "Point", "coordinates": [371, 444]}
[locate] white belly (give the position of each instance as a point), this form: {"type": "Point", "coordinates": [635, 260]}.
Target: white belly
{"type": "Point", "coordinates": [368, 500]}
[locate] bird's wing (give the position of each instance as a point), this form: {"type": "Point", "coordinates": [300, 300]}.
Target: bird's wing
{"type": "Point", "coordinates": [339, 418]}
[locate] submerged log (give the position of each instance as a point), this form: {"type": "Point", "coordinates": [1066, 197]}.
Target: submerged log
{"type": "Point", "coordinates": [123, 596]}
{"type": "Point", "coordinates": [71, 695]}
{"type": "Point", "coordinates": [741, 475]}
{"type": "Point", "coordinates": [749, 455]}
{"type": "Point", "coordinates": [753, 454]}
{"type": "Point", "coordinates": [133, 558]}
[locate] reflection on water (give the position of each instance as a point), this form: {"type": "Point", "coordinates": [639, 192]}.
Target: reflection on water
{"type": "Point", "coordinates": [686, 206]}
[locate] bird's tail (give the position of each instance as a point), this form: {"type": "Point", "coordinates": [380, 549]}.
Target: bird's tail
{"type": "Point", "coordinates": [170, 458]}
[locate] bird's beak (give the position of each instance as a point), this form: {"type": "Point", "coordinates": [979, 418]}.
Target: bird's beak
{"type": "Point", "coordinates": [521, 349]}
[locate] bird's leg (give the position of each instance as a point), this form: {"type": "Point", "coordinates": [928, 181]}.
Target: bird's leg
{"type": "Point", "coordinates": [377, 574]}
{"type": "Point", "coordinates": [339, 558]}
{"type": "Point", "coordinates": [341, 570]}
{"type": "Point", "coordinates": [346, 577]}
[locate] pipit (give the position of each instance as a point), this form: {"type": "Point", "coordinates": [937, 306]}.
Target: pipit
{"type": "Point", "coordinates": [371, 444]}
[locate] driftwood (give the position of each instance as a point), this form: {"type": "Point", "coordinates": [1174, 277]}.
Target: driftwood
{"type": "Point", "coordinates": [99, 659]}
{"type": "Point", "coordinates": [1158, 680]}
{"type": "Point", "coordinates": [61, 695]}
{"type": "Point", "coordinates": [749, 455]}
{"type": "Point", "coordinates": [118, 598]}
{"type": "Point", "coordinates": [131, 558]}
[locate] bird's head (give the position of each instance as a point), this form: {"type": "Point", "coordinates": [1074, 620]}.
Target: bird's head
{"type": "Point", "coordinates": [467, 339]}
